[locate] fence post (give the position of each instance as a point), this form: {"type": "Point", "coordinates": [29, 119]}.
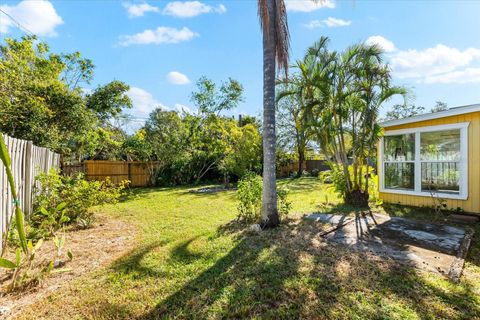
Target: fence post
{"type": "Point", "coordinates": [29, 179]}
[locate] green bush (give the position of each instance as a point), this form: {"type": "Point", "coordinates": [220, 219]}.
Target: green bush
{"type": "Point", "coordinates": [61, 200]}
{"type": "Point", "coordinates": [336, 177]}
{"type": "Point", "coordinates": [249, 195]}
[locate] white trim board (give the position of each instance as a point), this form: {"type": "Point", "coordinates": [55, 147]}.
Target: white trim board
{"type": "Point", "coordinates": [431, 116]}
{"type": "Point", "coordinates": [463, 194]}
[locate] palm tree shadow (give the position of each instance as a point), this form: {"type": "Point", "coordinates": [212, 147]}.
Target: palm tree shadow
{"type": "Point", "coordinates": [289, 272]}
{"type": "Point", "coordinates": [252, 264]}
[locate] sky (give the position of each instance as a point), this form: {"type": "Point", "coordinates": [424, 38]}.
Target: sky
{"type": "Point", "coordinates": [161, 48]}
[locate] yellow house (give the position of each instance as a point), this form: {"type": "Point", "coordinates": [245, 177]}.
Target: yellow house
{"type": "Point", "coordinates": [434, 154]}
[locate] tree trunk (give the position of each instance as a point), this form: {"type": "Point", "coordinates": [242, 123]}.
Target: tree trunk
{"type": "Point", "coordinates": [270, 216]}
{"type": "Point", "coordinates": [301, 159]}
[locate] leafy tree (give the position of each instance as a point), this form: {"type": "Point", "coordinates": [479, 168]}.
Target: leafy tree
{"type": "Point", "coordinates": [210, 100]}
{"type": "Point", "coordinates": [33, 96]}
{"type": "Point", "coordinates": [400, 111]}
{"type": "Point", "coordinates": [247, 119]}
{"type": "Point", "coordinates": [242, 153]}
{"type": "Point", "coordinates": [109, 100]}
{"type": "Point", "coordinates": [77, 70]}
{"type": "Point", "coordinates": [439, 106]}
{"type": "Point", "coordinates": [166, 135]}
{"type": "Point", "coordinates": [136, 147]}
{"type": "Point", "coordinates": [293, 123]}
{"type": "Point", "coordinates": [273, 22]}
{"type": "Point", "coordinates": [40, 89]}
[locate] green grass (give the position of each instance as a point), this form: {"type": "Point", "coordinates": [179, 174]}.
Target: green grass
{"type": "Point", "coordinates": [192, 261]}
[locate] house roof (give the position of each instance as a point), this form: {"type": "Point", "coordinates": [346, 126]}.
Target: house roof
{"type": "Point", "coordinates": [429, 116]}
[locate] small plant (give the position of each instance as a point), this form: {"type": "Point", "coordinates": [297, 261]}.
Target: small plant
{"type": "Point", "coordinates": [51, 219]}
{"type": "Point", "coordinates": [23, 273]}
{"type": "Point", "coordinates": [59, 243]}
{"type": "Point", "coordinates": [439, 205]}
{"type": "Point", "coordinates": [249, 195]}
{"type": "Point", "coordinates": [284, 206]}
{"type": "Point", "coordinates": [336, 177]}
{"type": "Point", "coordinates": [62, 200]}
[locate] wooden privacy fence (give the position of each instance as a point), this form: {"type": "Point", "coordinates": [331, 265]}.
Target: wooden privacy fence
{"type": "Point", "coordinates": [308, 165]}
{"type": "Point", "coordinates": [137, 172]}
{"type": "Point", "coordinates": [27, 162]}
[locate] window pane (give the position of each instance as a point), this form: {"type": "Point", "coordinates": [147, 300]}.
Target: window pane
{"type": "Point", "coordinates": [399, 176]}
{"type": "Point", "coordinates": [440, 145]}
{"type": "Point", "coordinates": [399, 148]}
{"type": "Point", "coordinates": [441, 177]}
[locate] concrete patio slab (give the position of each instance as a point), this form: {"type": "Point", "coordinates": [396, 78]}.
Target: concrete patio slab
{"type": "Point", "coordinates": [428, 246]}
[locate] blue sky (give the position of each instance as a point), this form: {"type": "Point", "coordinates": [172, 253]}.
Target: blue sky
{"type": "Point", "coordinates": [160, 48]}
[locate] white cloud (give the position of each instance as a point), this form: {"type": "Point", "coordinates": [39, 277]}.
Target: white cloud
{"type": "Point", "coordinates": [182, 108]}
{"type": "Point", "coordinates": [159, 36]}
{"type": "Point", "coordinates": [334, 22]}
{"type": "Point", "coordinates": [142, 102]}
{"type": "Point", "coordinates": [308, 5]}
{"type": "Point", "coordinates": [139, 10]}
{"type": "Point", "coordinates": [190, 9]}
{"type": "Point", "coordinates": [468, 75]}
{"type": "Point", "coordinates": [221, 9]}
{"type": "Point", "coordinates": [432, 61]}
{"type": "Point", "coordinates": [330, 22]}
{"type": "Point", "coordinates": [438, 64]}
{"type": "Point", "coordinates": [382, 42]}
{"type": "Point", "coordinates": [39, 17]}
{"type": "Point", "coordinates": [175, 77]}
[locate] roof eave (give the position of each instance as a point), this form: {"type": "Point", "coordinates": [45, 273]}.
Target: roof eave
{"type": "Point", "coordinates": [430, 116]}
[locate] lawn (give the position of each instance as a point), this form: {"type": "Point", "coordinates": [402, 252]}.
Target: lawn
{"type": "Point", "coordinates": [192, 261]}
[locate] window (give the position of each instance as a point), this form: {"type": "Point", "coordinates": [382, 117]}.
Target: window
{"type": "Point", "coordinates": [399, 165]}
{"type": "Point", "coordinates": [440, 160]}
{"type": "Point", "coordinates": [425, 160]}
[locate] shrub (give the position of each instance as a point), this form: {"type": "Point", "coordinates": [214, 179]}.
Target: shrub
{"type": "Point", "coordinates": [337, 178]}
{"type": "Point", "coordinates": [63, 200]}
{"type": "Point", "coordinates": [249, 195]}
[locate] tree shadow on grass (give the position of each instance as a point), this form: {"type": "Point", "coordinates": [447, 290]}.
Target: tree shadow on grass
{"type": "Point", "coordinates": [290, 272]}
{"type": "Point", "coordinates": [132, 262]}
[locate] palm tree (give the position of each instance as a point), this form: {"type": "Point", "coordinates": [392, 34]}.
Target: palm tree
{"type": "Point", "coordinates": [346, 91]}
{"type": "Point", "coordinates": [273, 21]}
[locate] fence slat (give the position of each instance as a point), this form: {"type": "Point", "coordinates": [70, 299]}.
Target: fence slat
{"type": "Point", "coordinates": [27, 162]}
{"type": "Point", "coordinates": [137, 172]}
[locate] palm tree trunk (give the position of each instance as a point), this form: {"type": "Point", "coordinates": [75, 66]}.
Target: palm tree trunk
{"type": "Point", "coordinates": [270, 216]}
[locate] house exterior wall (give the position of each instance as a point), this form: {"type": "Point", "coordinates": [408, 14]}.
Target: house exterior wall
{"type": "Point", "coordinates": [472, 203]}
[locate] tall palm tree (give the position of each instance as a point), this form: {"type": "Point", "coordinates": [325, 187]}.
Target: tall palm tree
{"type": "Point", "coordinates": [273, 21]}
{"type": "Point", "coordinates": [342, 95]}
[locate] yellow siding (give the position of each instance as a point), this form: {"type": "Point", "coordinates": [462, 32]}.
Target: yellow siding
{"type": "Point", "coordinates": [472, 204]}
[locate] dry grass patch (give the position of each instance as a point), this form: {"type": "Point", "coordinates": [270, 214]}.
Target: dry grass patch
{"type": "Point", "coordinates": [92, 248]}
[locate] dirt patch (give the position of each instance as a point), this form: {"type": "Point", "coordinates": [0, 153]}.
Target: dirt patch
{"type": "Point", "coordinates": [211, 190]}
{"type": "Point", "coordinates": [92, 248]}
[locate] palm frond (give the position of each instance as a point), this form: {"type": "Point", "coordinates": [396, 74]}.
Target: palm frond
{"type": "Point", "coordinates": [282, 36]}
{"type": "Point", "coordinates": [263, 16]}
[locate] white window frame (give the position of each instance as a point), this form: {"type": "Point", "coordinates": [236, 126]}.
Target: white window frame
{"type": "Point", "coordinates": [463, 170]}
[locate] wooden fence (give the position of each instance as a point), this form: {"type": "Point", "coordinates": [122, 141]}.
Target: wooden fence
{"type": "Point", "coordinates": [27, 162]}
{"type": "Point", "coordinates": [308, 165]}
{"type": "Point", "coordinates": [137, 172]}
